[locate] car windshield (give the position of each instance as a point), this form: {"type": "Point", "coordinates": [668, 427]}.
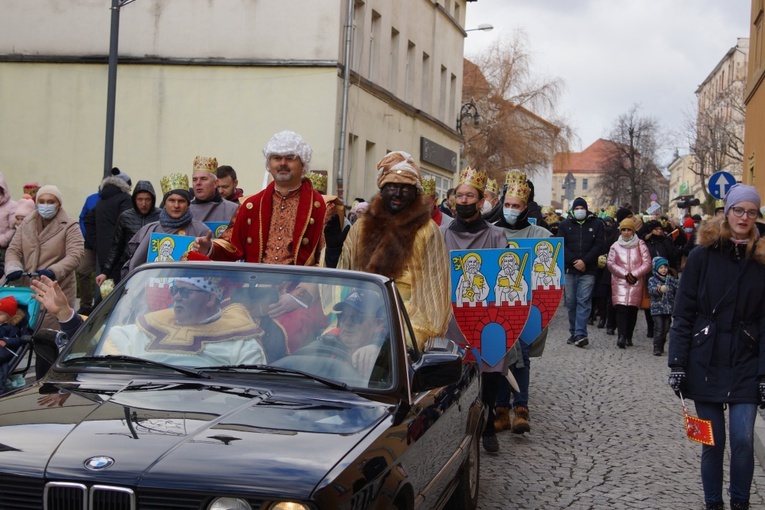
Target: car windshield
{"type": "Point", "coordinates": [239, 319]}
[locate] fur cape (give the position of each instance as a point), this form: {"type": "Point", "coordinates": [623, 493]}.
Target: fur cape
{"type": "Point", "coordinates": [386, 241]}
{"type": "Point", "coordinates": [709, 236]}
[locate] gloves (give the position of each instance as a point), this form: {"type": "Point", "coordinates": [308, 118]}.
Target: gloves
{"type": "Point", "coordinates": [676, 378]}
{"type": "Point", "coordinates": [663, 288]}
{"type": "Point", "coordinates": [48, 273]}
{"type": "Point", "coordinates": [13, 276]}
{"type": "Point", "coordinates": [762, 393]}
{"type": "Point", "coordinates": [630, 279]}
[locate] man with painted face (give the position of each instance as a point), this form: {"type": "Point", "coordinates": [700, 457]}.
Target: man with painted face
{"type": "Point", "coordinates": [397, 238]}
{"type": "Point", "coordinates": [470, 231]}
{"type": "Point", "coordinates": [583, 241]}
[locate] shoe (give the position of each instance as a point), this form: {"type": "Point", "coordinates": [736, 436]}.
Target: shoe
{"type": "Point", "coordinates": [520, 420]}
{"type": "Point", "coordinates": [735, 505]}
{"type": "Point", "coordinates": [502, 421]}
{"type": "Point", "coordinates": [649, 334]}
{"type": "Point", "coordinates": [591, 321]}
{"type": "Point", "coordinates": [490, 444]}
{"type": "Point", "coordinates": [610, 331]}
{"type": "Point", "coordinates": [581, 341]}
{"type": "Point", "coordinates": [621, 342]}
{"type": "Point", "coordinates": [717, 505]}
{"type": "Point", "coordinates": [601, 323]}
{"type": "Point", "coordinates": [571, 340]}
{"type": "Point", "coordinates": [628, 341]}
{"type": "Point", "coordinates": [657, 353]}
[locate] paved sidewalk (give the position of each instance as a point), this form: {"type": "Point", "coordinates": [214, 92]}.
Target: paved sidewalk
{"type": "Point", "coordinates": [606, 433]}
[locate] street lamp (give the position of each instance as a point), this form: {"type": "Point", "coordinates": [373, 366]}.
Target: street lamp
{"type": "Point", "coordinates": [111, 93]}
{"type": "Point", "coordinates": [468, 110]}
{"type": "Point", "coordinates": [483, 27]}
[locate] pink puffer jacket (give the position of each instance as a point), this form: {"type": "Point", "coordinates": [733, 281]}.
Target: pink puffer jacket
{"type": "Point", "coordinates": [621, 260]}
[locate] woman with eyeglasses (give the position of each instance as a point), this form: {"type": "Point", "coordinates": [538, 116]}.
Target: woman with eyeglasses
{"type": "Point", "coordinates": [716, 355]}
{"type": "Point", "coordinates": [628, 261]}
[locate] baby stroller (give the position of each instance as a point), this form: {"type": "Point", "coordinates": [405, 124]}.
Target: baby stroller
{"type": "Point", "coordinates": [15, 368]}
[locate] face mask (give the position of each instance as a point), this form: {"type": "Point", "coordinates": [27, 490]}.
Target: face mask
{"type": "Point", "coordinates": [689, 230]}
{"type": "Point", "coordinates": [580, 214]}
{"type": "Point", "coordinates": [466, 211]}
{"type": "Point", "coordinates": [47, 211]}
{"type": "Point", "coordinates": [511, 215]}
{"type": "Point", "coordinates": [486, 207]}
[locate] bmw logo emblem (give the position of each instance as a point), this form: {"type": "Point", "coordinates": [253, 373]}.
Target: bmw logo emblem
{"type": "Point", "coordinates": [99, 463]}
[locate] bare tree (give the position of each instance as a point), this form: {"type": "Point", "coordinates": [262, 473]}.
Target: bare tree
{"type": "Point", "coordinates": [630, 170]}
{"type": "Point", "coordinates": [716, 136]}
{"type": "Point", "coordinates": [519, 127]}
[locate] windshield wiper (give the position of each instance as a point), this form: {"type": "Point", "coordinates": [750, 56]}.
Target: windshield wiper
{"type": "Point", "coordinates": [132, 359]}
{"type": "Point", "coordinates": [280, 370]}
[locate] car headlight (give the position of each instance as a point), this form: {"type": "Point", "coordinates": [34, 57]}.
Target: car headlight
{"type": "Point", "coordinates": [229, 504]}
{"type": "Point", "coordinates": [288, 505]}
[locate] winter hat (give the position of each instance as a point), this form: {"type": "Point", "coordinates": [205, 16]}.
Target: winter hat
{"type": "Point", "coordinates": [622, 213]}
{"type": "Point", "coordinates": [51, 190]}
{"type": "Point", "coordinates": [24, 207]}
{"type": "Point", "coordinates": [9, 306]}
{"type": "Point", "coordinates": [658, 262]}
{"type": "Point", "coordinates": [122, 175]}
{"type": "Point", "coordinates": [627, 223]}
{"type": "Point", "coordinates": [649, 226]}
{"type": "Point", "coordinates": [741, 193]}
{"type": "Point", "coordinates": [579, 202]}
{"type": "Point", "coordinates": [688, 223]}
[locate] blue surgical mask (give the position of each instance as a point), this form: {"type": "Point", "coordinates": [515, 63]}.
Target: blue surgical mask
{"type": "Point", "coordinates": [511, 215]}
{"type": "Point", "coordinates": [47, 211]}
{"type": "Point", "coordinates": [580, 214]}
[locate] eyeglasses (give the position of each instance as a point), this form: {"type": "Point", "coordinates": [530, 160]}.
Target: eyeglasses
{"type": "Point", "coordinates": [738, 212]}
{"type": "Point", "coordinates": [184, 292]}
{"type": "Point", "coordinates": [469, 196]}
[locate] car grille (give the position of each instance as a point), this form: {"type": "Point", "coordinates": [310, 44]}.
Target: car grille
{"type": "Point", "coordinates": [21, 493]}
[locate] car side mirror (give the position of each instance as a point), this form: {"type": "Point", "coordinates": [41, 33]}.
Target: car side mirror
{"type": "Point", "coordinates": [45, 343]}
{"type": "Point", "coordinates": [441, 365]}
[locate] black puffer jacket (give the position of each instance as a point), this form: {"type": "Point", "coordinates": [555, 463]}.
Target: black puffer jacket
{"type": "Point", "coordinates": [128, 224]}
{"type": "Point", "coordinates": [114, 198]}
{"type": "Point", "coordinates": [718, 327]}
{"type": "Point", "coordinates": [582, 240]}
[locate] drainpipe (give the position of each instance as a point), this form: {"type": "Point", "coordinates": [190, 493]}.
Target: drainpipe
{"type": "Point", "coordinates": [341, 180]}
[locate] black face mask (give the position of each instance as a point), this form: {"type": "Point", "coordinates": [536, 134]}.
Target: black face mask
{"type": "Point", "coordinates": [466, 211]}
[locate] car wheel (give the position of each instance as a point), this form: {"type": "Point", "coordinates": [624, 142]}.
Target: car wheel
{"type": "Point", "coordinates": [465, 496]}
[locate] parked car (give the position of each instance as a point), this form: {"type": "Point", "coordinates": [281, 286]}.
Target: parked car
{"type": "Point", "coordinates": [184, 390]}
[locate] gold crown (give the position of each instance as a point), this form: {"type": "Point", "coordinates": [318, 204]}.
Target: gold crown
{"type": "Point", "coordinates": [174, 181]}
{"type": "Point", "coordinates": [429, 185]}
{"type": "Point", "coordinates": [206, 164]}
{"type": "Point", "coordinates": [719, 204]}
{"type": "Point", "coordinates": [611, 211]}
{"type": "Point", "coordinates": [492, 186]}
{"type": "Point", "coordinates": [319, 182]}
{"type": "Point", "coordinates": [475, 178]}
{"type": "Point", "coordinates": [517, 185]}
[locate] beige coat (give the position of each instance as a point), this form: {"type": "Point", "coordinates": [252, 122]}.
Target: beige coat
{"type": "Point", "coordinates": [57, 247]}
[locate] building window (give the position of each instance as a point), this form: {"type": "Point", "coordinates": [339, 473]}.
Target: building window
{"type": "Point", "coordinates": [442, 96]}
{"type": "Point", "coordinates": [584, 184]}
{"type": "Point", "coordinates": [425, 92]}
{"type": "Point", "coordinates": [442, 184]}
{"type": "Point", "coordinates": [374, 42]}
{"type": "Point", "coordinates": [452, 100]}
{"type": "Point", "coordinates": [358, 34]}
{"type": "Point", "coordinates": [409, 91]}
{"type": "Point", "coordinates": [394, 51]}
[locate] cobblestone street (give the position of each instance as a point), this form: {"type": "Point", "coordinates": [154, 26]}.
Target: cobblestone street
{"type": "Point", "coordinates": [606, 433]}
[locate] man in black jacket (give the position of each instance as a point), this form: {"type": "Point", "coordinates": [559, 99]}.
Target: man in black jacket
{"type": "Point", "coordinates": [583, 242]}
{"type": "Point", "coordinates": [144, 211]}
{"type": "Point", "coordinates": [101, 221]}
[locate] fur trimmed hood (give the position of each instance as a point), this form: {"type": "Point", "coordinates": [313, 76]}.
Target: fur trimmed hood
{"type": "Point", "coordinates": [115, 181]}
{"type": "Point", "coordinates": [709, 236]}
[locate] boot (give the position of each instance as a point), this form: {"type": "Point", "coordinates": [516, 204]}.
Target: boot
{"type": "Point", "coordinates": [738, 505]}
{"type": "Point", "coordinates": [601, 323]}
{"type": "Point", "coordinates": [628, 341]}
{"type": "Point", "coordinates": [658, 347]}
{"type": "Point", "coordinates": [621, 342]}
{"type": "Point", "coordinates": [717, 505]}
{"type": "Point", "coordinates": [502, 422]}
{"type": "Point", "coordinates": [520, 420]}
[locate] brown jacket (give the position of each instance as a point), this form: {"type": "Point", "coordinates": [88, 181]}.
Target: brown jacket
{"type": "Point", "coordinates": [58, 247]}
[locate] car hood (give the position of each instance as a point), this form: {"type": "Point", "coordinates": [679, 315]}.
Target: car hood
{"type": "Point", "coordinates": [196, 436]}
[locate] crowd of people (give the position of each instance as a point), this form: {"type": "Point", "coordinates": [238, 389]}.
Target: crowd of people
{"type": "Point", "coordinates": [617, 261]}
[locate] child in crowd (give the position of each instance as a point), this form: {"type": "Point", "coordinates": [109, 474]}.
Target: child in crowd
{"type": "Point", "coordinates": [662, 288]}
{"type": "Point", "coordinates": [11, 317]}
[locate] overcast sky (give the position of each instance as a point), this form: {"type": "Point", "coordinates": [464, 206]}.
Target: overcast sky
{"type": "Point", "coordinates": [615, 53]}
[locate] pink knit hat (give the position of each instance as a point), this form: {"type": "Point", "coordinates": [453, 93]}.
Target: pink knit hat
{"type": "Point", "coordinates": [24, 207]}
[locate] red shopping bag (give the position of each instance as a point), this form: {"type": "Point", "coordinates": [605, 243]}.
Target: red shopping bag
{"type": "Point", "coordinates": [697, 429]}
